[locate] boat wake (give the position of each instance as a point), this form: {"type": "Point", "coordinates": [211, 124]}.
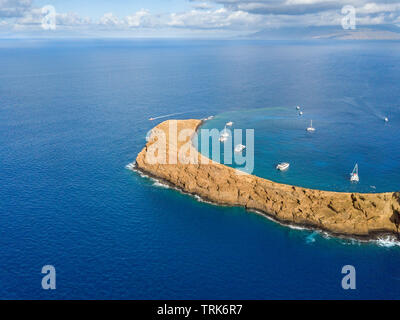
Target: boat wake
{"type": "Point", "coordinates": [168, 115]}
{"type": "Point", "coordinates": [377, 113]}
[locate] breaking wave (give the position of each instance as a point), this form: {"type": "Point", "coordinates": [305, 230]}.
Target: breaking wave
{"type": "Point", "coordinates": [383, 241]}
{"type": "Point", "coordinates": [159, 184]}
{"type": "Point", "coordinates": [387, 241]}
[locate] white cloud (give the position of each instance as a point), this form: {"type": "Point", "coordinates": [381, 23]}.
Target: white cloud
{"type": "Point", "coordinates": [71, 19]}
{"type": "Point", "coordinates": [14, 8]}
{"type": "Point", "coordinates": [144, 19]}
{"type": "Point", "coordinates": [31, 17]}
{"type": "Point", "coordinates": [109, 19]}
{"type": "Point", "coordinates": [202, 6]}
{"type": "Point", "coordinates": [33, 20]}
{"type": "Point", "coordinates": [214, 19]}
{"type": "Point", "coordinates": [316, 12]}
{"type": "Point", "coordinates": [373, 7]}
{"type": "Point", "coordinates": [300, 7]}
{"type": "Point", "coordinates": [201, 19]}
{"type": "Point", "coordinates": [212, 16]}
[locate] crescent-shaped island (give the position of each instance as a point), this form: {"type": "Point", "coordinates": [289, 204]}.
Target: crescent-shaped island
{"type": "Point", "coordinates": [355, 215]}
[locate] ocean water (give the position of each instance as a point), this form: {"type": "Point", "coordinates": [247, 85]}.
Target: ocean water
{"type": "Point", "coordinates": [322, 159]}
{"type": "Point", "coordinates": [74, 113]}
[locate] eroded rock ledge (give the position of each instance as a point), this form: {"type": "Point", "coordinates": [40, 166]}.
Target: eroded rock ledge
{"type": "Point", "coordinates": [345, 214]}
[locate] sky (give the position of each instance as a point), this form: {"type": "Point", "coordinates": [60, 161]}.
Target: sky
{"type": "Point", "coordinates": [181, 18]}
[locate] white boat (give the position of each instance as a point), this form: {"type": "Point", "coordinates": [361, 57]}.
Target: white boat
{"type": "Point", "coordinates": [298, 108]}
{"type": "Point", "coordinates": [386, 119]}
{"type": "Point", "coordinates": [229, 124]}
{"type": "Point", "coordinates": [151, 119]}
{"type": "Point", "coordinates": [300, 113]}
{"type": "Point", "coordinates": [354, 175]}
{"type": "Point", "coordinates": [225, 133]}
{"type": "Point", "coordinates": [283, 166]}
{"type": "Point", "coordinates": [239, 148]}
{"type": "Point", "coordinates": [311, 128]}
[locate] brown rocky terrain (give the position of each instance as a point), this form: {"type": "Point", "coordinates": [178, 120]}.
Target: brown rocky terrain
{"type": "Point", "coordinates": [347, 214]}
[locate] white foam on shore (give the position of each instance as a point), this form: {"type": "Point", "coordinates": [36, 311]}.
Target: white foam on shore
{"type": "Point", "coordinates": [159, 184]}
{"type": "Point", "coordinates": [200, 199]}
{"type": "Point", "coordinates": [387, 241]}
{"type": "Point", "coordinates": [383, 241]}
{"type": "Point", "coordinates": [291, 226]}
{"type": "Point", "coordinates": [130, 166]}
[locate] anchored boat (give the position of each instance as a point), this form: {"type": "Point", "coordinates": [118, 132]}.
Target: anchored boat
{"type": "Point", "coordinates": [311, 128]}
{"type": "Point", "coordinates": [225, 133]}
{"type": "Point", "coordinates": [240, 148]}
{"type": "Point", "coordinates": [283, 166]}
{"type": "Point", "coordinates": [354, 175]}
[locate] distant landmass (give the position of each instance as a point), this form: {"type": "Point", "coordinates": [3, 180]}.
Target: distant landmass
{"type": "Point", "coordinates": [378, 32]}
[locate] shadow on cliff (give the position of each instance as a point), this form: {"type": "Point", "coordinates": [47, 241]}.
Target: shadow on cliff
{"type": "Point", "coordinates": [395, 218]}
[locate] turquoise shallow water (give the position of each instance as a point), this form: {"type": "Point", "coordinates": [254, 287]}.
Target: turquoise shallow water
{"type": "Point", "coordinates": [346, 133]}
{"type": "Point", "coordinates": [74, 113]}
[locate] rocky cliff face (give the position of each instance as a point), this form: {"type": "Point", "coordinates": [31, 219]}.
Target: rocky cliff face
{"type": "Point", "coordinates": [349, 214]}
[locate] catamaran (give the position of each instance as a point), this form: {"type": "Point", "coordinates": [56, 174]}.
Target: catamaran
{"type": "Point", "coordinates": [354, 175]}
{"type": "Point", "coordinates": [311, 128]}
{"type": "Point", "coordinates": [283, 166]}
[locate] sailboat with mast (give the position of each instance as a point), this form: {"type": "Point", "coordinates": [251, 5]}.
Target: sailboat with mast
{"type": "Point", "coordinates": [224, 135]}
{"type": "Point", "coordinates": [354, 174]}
{"type": "Point", "coordinates": [311, 128]}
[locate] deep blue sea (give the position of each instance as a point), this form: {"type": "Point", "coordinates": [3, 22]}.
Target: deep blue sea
{"type": "Point", "coordinates": [74, 113]}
